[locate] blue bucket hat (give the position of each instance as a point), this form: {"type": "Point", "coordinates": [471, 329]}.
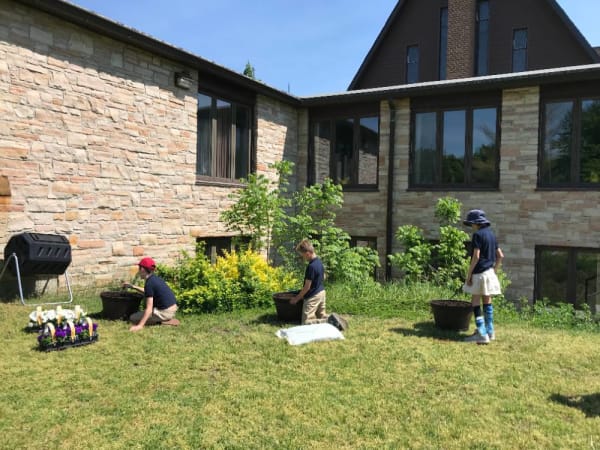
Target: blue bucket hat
{"type": "Point", "coordinates": [476, 217]}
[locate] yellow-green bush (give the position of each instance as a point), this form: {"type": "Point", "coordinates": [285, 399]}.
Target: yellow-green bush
{"type": "Point", "coordinates": [238, 280]}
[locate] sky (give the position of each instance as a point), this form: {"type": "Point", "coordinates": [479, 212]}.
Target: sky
{"type": "Point", "coordinates": [304, 47]}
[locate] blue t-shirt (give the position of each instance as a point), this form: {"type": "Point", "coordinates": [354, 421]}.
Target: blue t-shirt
{"type": "Point", "coordinates": [485, 240]}
{"type": "Point", "coordinates": [157, 288]}
{"type": "Point", "coordinates": [315, 272]}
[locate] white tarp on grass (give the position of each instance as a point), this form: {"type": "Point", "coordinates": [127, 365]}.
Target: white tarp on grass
{"type": "Point", "coordinates": [304, 334]}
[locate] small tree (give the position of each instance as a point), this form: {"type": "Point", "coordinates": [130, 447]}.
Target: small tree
{"type": "Point", "coordinates": [249, 71]}
{"type": "Point", "coordinates": [259, 206]}
{"type": "Point", "coordinates": [444, 263]}
{"type": "Point", "coordinates": [265, 213]}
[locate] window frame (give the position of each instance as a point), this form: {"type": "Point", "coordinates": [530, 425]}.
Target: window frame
{"type": "Point", "coordinates": [571, 284]}
{"type": "Point", "coordinates": [566, 93]}
{"type": "Point", "coordinates": [440, 106]}
{"type": "Point", "coordinates": [214, 246]}
{"type": "Point", "coordinates": [234, 103]}
{"type": "Point", "coordinates": [524, 50]}
{"type": "Point", "coordinates": [443, 45]}
{"type": "Point", "coordinates": [333, 117]}
{"type": "Point", "coordinates": [482, 49]}
{"type": "Point", "coordinates": [412, 67]}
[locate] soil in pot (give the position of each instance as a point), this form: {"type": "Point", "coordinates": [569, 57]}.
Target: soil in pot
{"type": "Point", "coordinates": [119, 305]}
{"type": "Point", "coordinates": [285, 310]}
{"type": "Point", "coordinates": [452, 314]}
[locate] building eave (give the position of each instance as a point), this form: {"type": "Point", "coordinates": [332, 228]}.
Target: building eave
{"type": "Point", "coordinates": [461, 85]}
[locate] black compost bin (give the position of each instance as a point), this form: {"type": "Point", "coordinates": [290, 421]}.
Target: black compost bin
{"type": "Point", "coordinates": [39, 254]}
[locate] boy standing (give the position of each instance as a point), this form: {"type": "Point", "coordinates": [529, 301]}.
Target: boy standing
{"type": "Point", "coordinates": [482, 281]}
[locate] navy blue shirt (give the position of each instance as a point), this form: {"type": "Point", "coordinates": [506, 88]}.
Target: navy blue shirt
{"type": "Point", "coordinates": [485, 240]}
{"type": "Point", "coordinates": [315, 272]}
{"type": "Point", "coordinates": [157, 288]}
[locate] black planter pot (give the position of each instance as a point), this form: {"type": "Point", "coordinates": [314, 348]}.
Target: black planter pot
{"type": "Point", "coordinates": [119, 305]}
{"type": "Point", "coordinates": [452, 315]}
{"type": "Point", "coordinates": [285, 310]}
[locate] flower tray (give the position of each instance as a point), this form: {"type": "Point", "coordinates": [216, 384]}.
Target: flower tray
{"type": "Point", "coordinates": [285, 310]}
{"type": "Point", "coordinates": [119, 305]}
{"type": "Point", "coordinates": [63, 346]}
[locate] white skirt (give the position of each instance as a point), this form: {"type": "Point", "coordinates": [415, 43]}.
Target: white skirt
{"type": "Point", "coordinates": [485, 283]}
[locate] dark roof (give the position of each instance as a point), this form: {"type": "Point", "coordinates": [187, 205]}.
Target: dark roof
{"type": "Point", "coordinates": [574, 74]}
{"type": "Point", "coordinates": [107, 27]}
{"type": "Point", "coordinates": [397, 10]}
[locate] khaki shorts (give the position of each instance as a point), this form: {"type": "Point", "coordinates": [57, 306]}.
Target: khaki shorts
{"type": "Point", "coordinates": [158, 315]}
{"type": "Point", "coordinates": [485, 283]}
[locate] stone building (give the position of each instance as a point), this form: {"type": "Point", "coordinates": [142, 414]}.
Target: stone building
{"type": "Point", "coordinates": [129, 146]}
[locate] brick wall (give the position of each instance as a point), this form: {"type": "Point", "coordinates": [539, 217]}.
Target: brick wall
{"type": "Point", "coordinates": [96, 143]}
{"type": "Point", "coordinates": [461, 38]}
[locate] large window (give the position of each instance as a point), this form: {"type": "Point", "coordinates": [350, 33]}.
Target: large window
{"type": "Point", "coordinates": [347, 151]}
{"type": "Point", "coordinates": [443, 57]}
{"type": "Point", "coordinates": [568, 275]}
{"type": "Point", "coordinates": [412, 64]}
{"type": "Point", "coordinates": [570, 155]}
{"type": "Point", "coordinates": [519, 50]}
{"type": "Point", "coordinates": [223, 148]}
{"type": "Point", "coordinates": [455, 148]}
{"type": "Point", "coordinates": [482, 37]}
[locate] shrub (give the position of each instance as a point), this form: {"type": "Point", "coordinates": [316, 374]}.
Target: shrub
{"type": "Point", "coordinates": [265, 213]}
{"type": "Point", "coordinates": [446, 262]}
{"type": "Point", "coordinates": [238, 280]}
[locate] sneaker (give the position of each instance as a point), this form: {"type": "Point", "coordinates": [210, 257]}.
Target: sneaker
{"type": "Point", "coordinates": [492, 336]}
{"type": "Point", "coordinates": [478, 338]}
{"type": "Point", "coordinates": [338, 321]}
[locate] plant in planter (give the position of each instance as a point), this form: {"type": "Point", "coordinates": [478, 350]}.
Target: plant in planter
{"type": "Point", "coordinates": [444, 263]}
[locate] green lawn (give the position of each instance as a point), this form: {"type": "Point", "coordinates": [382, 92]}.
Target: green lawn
{"type": "Point", "coordinates": [226, 381]}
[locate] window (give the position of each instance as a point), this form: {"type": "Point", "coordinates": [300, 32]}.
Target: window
{"type": "Point", "coordinates": [412, 64]}
{"type": "Point", "coordinates": [519, 50]}
{"type": "Point", "coordinates": [455, 148]}
{"type": "Point", "coordinates": [570, 153]}
{"type": "Point", "coordinates": [568, 275]}
{"type": "Point", "coordinates": [223, 148]}
{"type": "Point", "coordinates": [347, 151]}
{"type": "Point", "coordinates": [482, 36]}
{"type": "Point", "coordinates": [443, 58]}
{"type": "Point", "coordinates": [217, 246]}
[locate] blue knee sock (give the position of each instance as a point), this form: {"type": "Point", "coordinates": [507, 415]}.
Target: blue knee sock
{"type": "Point", "coordinates": [479, 322]}
{"type": "Point", "coordinates": [488, 314]}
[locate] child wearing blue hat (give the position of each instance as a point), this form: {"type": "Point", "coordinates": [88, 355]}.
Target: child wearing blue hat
{"type": "Point", "coordinates": [482, 281]}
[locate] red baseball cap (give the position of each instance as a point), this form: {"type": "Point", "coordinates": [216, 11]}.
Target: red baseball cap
{"type": "Point", "coordinates": [147, 263]}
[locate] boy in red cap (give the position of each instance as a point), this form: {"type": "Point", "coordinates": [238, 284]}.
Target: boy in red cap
{"type": "Point", "coordinates": [161, 304]}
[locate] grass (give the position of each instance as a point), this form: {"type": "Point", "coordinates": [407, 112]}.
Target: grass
{"type": "Point", "coordinates": [226, 381]}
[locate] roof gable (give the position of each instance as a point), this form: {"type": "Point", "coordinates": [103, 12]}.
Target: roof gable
{"type": "Point", "coordinates": [417, 22]}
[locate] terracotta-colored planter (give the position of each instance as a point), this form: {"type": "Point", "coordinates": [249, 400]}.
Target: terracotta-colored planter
{"type": "Point", "coordinates": [452, 314]}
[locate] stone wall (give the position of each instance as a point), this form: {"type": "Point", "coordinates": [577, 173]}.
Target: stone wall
{"type": "Point", "coordinates": [97, 144]}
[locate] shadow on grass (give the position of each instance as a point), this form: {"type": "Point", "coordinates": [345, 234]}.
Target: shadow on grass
{"type": "Point", "coordinates": [428, 329]}
{"type": "Point", "coordinates": [589, 404]}
{"type": "Point", "coordinates": [273, 319]}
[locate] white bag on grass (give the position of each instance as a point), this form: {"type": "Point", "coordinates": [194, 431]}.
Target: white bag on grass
{"type": "Point", "coordinates": [304, 334]}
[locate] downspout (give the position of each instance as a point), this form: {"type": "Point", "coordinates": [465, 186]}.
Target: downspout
{"type": "Point", "coordinates": [389, 232]}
